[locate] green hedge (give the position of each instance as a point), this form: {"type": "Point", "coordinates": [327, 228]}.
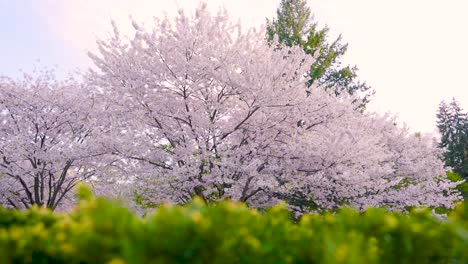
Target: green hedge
{"type": "Point", "coordinates": [99, 231]}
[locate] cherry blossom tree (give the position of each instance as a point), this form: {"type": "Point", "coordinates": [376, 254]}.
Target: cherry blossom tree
{"type": "Point", "coordinates": [45, 146]}
{"type": "Point", "coordinates": [363, 160]}
{"type": "Point", "coordinates": [196, 106]}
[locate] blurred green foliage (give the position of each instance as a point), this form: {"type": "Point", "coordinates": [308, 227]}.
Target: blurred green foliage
{"type": "Point", "coordinates": [100, 231]}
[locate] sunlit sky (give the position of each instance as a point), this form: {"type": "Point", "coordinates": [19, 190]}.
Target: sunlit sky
{"type": "Point", "coordinates": [412, 52]}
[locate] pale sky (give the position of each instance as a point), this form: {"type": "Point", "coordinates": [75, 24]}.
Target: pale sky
{"type": "Point", "coordinates": [412, 52]}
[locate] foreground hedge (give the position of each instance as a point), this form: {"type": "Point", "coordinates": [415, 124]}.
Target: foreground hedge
{"type": "Point", "coordinates": [98, 231]}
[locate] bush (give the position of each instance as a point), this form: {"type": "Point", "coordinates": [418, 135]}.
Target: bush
{"type": "Point", "coordinates": [99, 231]}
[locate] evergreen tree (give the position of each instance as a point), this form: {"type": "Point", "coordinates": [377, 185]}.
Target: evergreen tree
{"type": "Point", "coordinates": [444, 124]}
{"type": "Point", "coordinates": [294, 26]}
{"type": "Point", "coordinates": [453, 125]}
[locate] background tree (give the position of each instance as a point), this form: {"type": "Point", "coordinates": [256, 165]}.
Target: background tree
{"type": "Point", "coordinates": [294, 26]}
{"type": "Point", "coordinates": [195, 106]}
{"type": "Point", "coordinates": [452, 123]}
{"type": "Point", "coordinates": [444, 124]}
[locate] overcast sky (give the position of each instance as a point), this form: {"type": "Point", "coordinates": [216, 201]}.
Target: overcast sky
{"type": "Point", "coordinates": [412, 52]}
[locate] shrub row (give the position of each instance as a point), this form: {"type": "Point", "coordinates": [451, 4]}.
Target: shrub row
{"type": "Point", "coordinates": [99, 231]}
